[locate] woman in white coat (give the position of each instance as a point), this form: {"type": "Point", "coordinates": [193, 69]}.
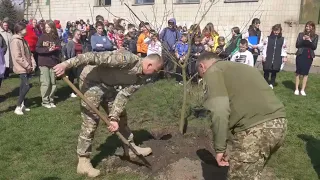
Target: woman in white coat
{"type": "Point", "coordinates": [7, 35]}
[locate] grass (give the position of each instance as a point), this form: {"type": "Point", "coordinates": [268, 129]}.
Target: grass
{"type": "Point", "coordinates": [42, 144]}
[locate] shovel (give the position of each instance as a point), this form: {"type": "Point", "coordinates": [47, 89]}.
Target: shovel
{"type": "Point", "coordinates": [105, 119]}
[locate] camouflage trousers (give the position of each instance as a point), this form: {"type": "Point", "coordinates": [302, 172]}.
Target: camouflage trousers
{"type": "Point", "coordinates": [250, 149]}
{"type": "Point", "coordinates": [98, 95]}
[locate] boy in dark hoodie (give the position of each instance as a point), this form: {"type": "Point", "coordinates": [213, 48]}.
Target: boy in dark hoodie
{"type": "Point", "coordinates": [169, 36]}
{"type": "Point", "coordinates": [197, 49]}
{"type": "Point", "coordinates": [130, 42]}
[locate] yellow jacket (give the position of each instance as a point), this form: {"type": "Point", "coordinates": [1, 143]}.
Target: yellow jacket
{"type": "Point", "coordinates": [215, 38]}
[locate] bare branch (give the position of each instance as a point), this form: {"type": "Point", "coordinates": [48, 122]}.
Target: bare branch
{"type": "Point", "coordinates": [172, 8]}
{"type": "Point", "coordinates": [115, 15]}
{"type": "Point", "coordinates": [154, 11]}
{"type": "Point", "coordinates": [252, 15]}
{"type": "Point", "coordinates": [110, 12]}
{"type": "Point", "coordinates": [164, 47]}
{"type": "Point", "coordinates": [195, 18]}
{"type": "Point", "coordinates": [196, 74]}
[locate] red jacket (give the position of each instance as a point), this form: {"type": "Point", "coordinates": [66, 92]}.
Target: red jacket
{"type": "Point", "coordinates": [31, 38]}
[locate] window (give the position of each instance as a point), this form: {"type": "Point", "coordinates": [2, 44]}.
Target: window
{"type": "Point", "coordinates": [103, 3]}
{"type": "Point", "coordinates": [310, 11]}
{"type": "Point", "coordinates": [144, 1]}
{"type": "Point", "coordinates": [235, 1]}
{"type": "Point", "coordinates": [187, 1]}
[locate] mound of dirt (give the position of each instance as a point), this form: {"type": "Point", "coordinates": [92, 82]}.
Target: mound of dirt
{"type": "Point", "coordinates": [174, 157]}
{"type": "Point", "coordinates": [182, 169]}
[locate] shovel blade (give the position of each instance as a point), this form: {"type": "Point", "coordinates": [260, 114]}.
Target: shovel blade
{"type": "Point", "coordinates": [140, 156]}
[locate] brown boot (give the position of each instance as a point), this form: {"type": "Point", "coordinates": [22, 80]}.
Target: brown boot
{"type": "Point", "coordinates": [85, 167]}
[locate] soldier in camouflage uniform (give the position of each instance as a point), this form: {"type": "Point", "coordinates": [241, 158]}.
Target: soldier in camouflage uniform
{"type": "Point", "coordinates": [104, 71]}
{"type": "Point", "coordinates": [248, 120]}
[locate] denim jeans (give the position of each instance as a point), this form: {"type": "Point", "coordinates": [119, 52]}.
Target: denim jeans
{"type": "Point", "coordinates": [24, 87]}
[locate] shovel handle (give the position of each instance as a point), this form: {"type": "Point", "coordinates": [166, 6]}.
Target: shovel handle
{"type": "Point", "coordinates": [104, 118]}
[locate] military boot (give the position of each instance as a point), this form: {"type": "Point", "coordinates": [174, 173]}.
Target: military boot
{"type": "Point", "coordinates": [85, 167]}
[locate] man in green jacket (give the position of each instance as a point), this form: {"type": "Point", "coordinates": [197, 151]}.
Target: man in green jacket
{"type": "Point", "coordinates": [249, 121]}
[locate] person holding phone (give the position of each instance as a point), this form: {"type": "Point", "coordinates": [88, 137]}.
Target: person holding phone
{"type": "Point", "coordinates": [49, 48]}
{"type": "Point", "coordinates": [307, 42]}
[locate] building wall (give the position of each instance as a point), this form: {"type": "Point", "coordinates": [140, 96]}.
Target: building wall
{"type": "Point", "coordinates": [223, 15]}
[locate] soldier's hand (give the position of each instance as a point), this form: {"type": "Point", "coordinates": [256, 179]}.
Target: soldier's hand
{"type": "Point", "coordinates": [222, 159]}
{"type": "Point", "coordinates": [114, 126]}
{"type": "Point", "coordinates": [60, 69]}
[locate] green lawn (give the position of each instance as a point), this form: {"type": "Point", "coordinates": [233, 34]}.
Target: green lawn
{"type": "Point", "coordinates": [42, 144]}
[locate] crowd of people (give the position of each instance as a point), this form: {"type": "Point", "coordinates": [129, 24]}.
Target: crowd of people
{"type": "Point", "coordinates": [113, 54]}
{"type": "Point", "coordinates": [37, 46]}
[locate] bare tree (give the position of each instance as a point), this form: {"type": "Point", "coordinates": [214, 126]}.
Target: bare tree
{"type": "Point", "coordinates": [182, 64]}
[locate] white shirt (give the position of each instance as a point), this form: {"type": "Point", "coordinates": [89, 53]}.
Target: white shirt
{"type": "Point", "coordinates": [153, 47]}
{"type": "Point", "coordinates": [243, 57]}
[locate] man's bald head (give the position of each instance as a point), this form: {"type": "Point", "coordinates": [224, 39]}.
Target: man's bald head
{"type": "Point", "coordinates": [205, 61]}
{"type": "Point", "coordinates": [152, 63]}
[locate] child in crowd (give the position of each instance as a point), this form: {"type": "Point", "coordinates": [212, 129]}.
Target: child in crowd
{"type": "Point", "coordinates": [207, 41]}
{"type": "Point", "coordinates": [184, 29]}
{"type": "Point", "coordinates": [130, 42]}
{"type": "Point", "coordinates": [209, 28]}
{"type": "Point", "coordinates": [154, 45]}
{"type": "Point", "coordinates": [110, 33]}
{"type": "Point", "coordinates": [274, 54]}
{"type": "Point", "coordinates": [220, 50]}
{"type": "Point", "coordinates": [142, 48]}
{"type": "Point", "coordinates": [132, 28]}
{"type": "Point", "coordinates": [49, 49]}
{"type": "Point", "coordinates": [233, 44]}
{"type": "Point", "coordinates": [99, 42]}
{"type": "Point", "coordinates": [181, 50]}
{"type": "Point", "coordinates": [196, 49]}
{"type": "Point", "coordinates": [243, 55]}
{"type": "Point", "coordinates": [119, 36]}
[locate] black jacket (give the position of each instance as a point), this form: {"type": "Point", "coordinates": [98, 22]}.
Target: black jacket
{"type": "Point", "coordinates": [3, 44]}
{"type": "Point", "coordinates": [303, 44]}
{"type": "Point", "coordinates": [196, 49]}
{"type": "Point", "coordinates": [130, 45]}
{"type": "Point", "coordinates": [273, 59]}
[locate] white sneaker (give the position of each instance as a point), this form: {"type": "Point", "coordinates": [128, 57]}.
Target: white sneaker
{"type": "Point", "coordinates": [303, 93]}
{"type": "Point", "coordinates": [73, 95]}
{"type": "Point", "coordinates": [24, 107]}
{"type": "Point", "coordinates": [180, 83]}
{"type": "Point", "coordinates": [271, 86]}
{"type": "Point", "coordinates": [46, 106]}
{"type": "Point", "coordinates": [18, 111]}
{"type": "Point", "coordinates": [53, 105]}
{"type": "Point", "coordinates": [296, 92]}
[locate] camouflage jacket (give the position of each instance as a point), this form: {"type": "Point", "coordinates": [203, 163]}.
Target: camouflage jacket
{"type": "Point", "coordinates": [111, 69]}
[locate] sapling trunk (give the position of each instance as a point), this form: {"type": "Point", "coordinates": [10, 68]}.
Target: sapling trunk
{"type": "Point", "coordinates": [184, 98]}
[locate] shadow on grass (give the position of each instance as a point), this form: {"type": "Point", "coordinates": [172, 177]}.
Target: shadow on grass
{"type": "Point", "coordinates": [289, 85]}
{"type": "Point", "coordinates": [210, 168]}
{"type": "Point", "coordinates": [51, 178]}
{"type": "Point", "coordinates": [313, 149]}
{"type": "Point", "coordinates": [113, 142]}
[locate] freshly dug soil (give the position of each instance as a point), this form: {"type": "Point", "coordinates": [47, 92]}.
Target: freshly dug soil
{"type": "Point", "coordinates": [175, 157]}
